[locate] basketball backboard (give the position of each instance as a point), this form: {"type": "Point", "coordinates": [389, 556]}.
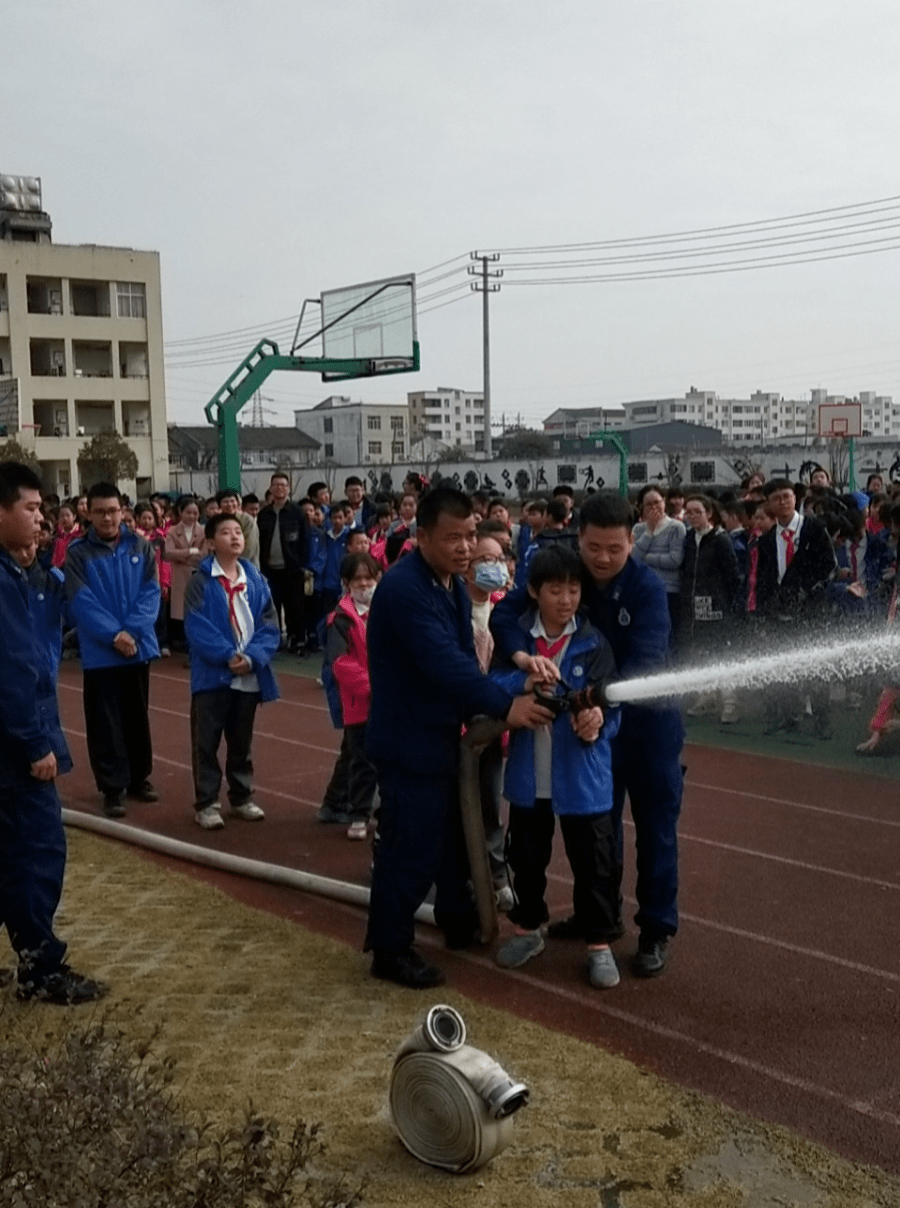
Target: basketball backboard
{"type": "Point", "coordinates": [840, 419]}
{"type": "Point", "coordinates": [374, 322]}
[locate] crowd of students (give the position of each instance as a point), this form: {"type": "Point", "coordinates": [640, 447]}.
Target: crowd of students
{"type": "Point", "coordinates": [430, 608]}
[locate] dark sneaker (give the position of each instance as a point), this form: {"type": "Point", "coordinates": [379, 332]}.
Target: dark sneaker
{"type": "Point", "coordinates": [651, 956]}
{"type": "Point", "coordinates": [64, 987]}
{"type": "Point", "coordinates": [406, 969]}
{"type": "Point", "coordinates": [143, 792]}
{"type": "Point", "coordinates": [113, 806]}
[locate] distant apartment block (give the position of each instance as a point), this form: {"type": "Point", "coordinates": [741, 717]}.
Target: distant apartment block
{"type": "Point", "coordinates": [81, 348]}
{"type": "Point", "coordinates": [454, 418]}
{"type": "Point", "coordinates": [356, 433]}
{"type": "Point", "coordinates": [764, 417]}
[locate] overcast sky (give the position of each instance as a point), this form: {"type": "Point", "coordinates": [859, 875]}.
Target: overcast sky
{"type": "Point", "coordinates": [272, 150]}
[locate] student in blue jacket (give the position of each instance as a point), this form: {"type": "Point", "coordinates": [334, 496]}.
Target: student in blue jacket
{"type": "Point", "coordinates": [32, 752]}
{"type": "Point", "coordinates": [564, 769]}
{"type": "Point", "coordinates": [426, 683]}
{"type": "Point", "coordinates": [232, 632]}
{"type": "Point", "coordinates": [113, 592]}
{"type": "Point", "coordinates": [626, 602]}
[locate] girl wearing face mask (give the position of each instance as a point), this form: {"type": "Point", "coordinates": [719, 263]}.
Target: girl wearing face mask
{"type": "Point", "coordinates": [486, 581]}
{"type": "Point", "coordinates": [347, 657]}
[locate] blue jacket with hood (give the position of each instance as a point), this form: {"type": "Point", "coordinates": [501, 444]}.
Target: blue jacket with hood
{"type": "Point", "coordinates": [210, 636]}
{"type": "Point", "coordinates": [581, 772]}
{"type": "Point", "coordinates": [111, 589]}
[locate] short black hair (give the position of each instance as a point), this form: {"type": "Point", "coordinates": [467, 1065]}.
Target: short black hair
{"type": "Point", "coordinates": [537, 505]}
{"type": "Point", "coordinates": [315, 487]}
{"type": "Point", "coordinates": [342, 505]}
{"type": "Point", "coordinates": [103, 490]}
{"type": "Point", "coordinates": [562, 489]}
{"type": "Point", "coordinates": [557, 511]}
{"type": "Point", "coordinates": [442, 499]}
{"type": "Point", "coordinates": [606, 509]}
{"type": "Point", "coordinates": [777, 484]}
{"type": "Point", "coordinates": [352, 562]}
{"type": "Point", "coordinates": [554, 564]}
{"type": "Point", "coordinates": [16, 477]}
{"type": "Point", "coordinates": [353, 481]}
{"type": "Point", "coordinates": [250, 498]}
{"type": "Point", "coordinates": [216, 522]}
{"type": "Point", "coordinates": [280, 474]}
{"type": "Point", "coordinates": [228, 493]}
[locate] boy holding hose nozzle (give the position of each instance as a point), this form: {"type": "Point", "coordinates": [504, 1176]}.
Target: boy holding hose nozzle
{"type": "Point", "coordinates": [562, 769]}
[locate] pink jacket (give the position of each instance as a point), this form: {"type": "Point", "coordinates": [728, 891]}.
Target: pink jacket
{"type": "Point", "coordinates": [351, 668]}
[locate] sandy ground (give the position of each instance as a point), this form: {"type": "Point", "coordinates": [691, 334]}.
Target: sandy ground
{"type": "Point", "coordinates": [253, 1007]}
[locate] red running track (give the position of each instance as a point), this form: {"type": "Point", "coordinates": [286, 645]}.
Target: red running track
{"type": "Point", "coordinates": [781, 996]}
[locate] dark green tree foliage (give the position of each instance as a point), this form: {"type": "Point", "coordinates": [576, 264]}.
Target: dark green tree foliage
{"type": "Point", "coordinates": [11, 450]}
{"type": "Point", "coordinates": [107, 457]}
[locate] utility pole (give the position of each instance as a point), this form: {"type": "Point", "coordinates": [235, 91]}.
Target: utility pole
{"type": "Point", "coordinates": [486, 286]}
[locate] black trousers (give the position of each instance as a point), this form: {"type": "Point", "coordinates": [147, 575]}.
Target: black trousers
{"type": "Point", "coordinates": [337, 795]}
{"type": "Point", "coordinates": [363, 777]}
{"type": "Point", "coordinates": [116, 702]}
{"type": "Point", "coordinates": [286, 587]}
{"type": "Point", "coordinates": [231, 713]}
{"type": "Point", "coordinates": [593, 857]}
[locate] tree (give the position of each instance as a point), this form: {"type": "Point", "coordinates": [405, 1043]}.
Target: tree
{"type": "Point", "coordinates": [107, 457]}
{"type": "Point", "coordinates": [526, 443]}
{"type": "Point", "coordinates": [11, 450]}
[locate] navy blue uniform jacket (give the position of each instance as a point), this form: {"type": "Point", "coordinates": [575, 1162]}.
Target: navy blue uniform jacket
{"type": "Point", "coordinates": [425, 678]}
{"type": "Point", "coordinates": [632, 614]}
{"type": "Point", "coordinates": [29, 725]}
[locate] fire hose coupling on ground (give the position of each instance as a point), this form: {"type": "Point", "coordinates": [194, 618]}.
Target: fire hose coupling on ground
{"type": "Point", "coordinates": [452, 1105]}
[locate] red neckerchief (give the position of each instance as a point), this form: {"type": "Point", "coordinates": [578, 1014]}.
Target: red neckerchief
{"type": "Point", "coordinates": [550, 649]}
{"type": "Point", "coordinates": [789, 552]}
{"type": "Point", "coordinates": [231, 590]}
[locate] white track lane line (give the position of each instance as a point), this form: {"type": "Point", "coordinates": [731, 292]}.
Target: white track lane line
{"type": "Point", "coordinates": [298, 704]}
{"type": "Point", "coordinates": [797, 805]}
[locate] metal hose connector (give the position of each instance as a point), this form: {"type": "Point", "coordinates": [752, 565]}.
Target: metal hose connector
{"type": "Point", "coordinates": [452, 1105]}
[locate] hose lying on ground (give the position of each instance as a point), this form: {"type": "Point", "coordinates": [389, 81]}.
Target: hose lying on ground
{"type": "Point", "coordinates": [452, 1105]}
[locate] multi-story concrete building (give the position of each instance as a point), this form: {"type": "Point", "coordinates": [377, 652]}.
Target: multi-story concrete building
{"type": "Point", "coordinates": [765, 417]}
{"type": "Point", "coordinates": [577, 423]}
{"type": "Point", "coordinates": [453, 418]}
{"type": "Point", "coordinates": [81, 348]}
{"type": "Point", "coordinates": [356, 433]}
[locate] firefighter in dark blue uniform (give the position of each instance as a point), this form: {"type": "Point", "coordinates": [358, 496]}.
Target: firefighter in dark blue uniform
{"type": "Point", "coordinates": [32, 751]}
{"type": "Point", "coordinates": [426, 683]}
{"type": "Point", "coordinates": [626, 601]}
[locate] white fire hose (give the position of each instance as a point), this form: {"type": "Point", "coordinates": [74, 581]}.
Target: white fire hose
{"type": "Point", "coordinates": [452, 1105]}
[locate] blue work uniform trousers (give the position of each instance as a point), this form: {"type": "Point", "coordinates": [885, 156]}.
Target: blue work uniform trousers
{"type": "Point", "coordinates": [653, 780]}
{"type": "Point", "coordinates": [32, 865]}
{"type": "Point", "coordinates": [420, 844]}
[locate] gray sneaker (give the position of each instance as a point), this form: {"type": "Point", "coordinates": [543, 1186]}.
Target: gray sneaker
{"type": "Point", "coordinates": [209, 818]}
{"type": "Point", "coordinates": [603, 972]}
{"type": "Point", "coordinates": [249, 811]}
{"type": "Point", "coordinates": [519, 950]}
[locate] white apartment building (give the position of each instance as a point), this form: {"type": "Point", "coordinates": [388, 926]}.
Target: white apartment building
{"type": "Point", "coordinates": [765, 417]}
{"type": "Point", "coordinates": [454, 418]}
{"type": "Point", "coordinates": [81, 348]}
{"type": "Point", "coordinates": [356, 433]}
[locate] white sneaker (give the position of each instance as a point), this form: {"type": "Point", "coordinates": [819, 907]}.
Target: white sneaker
{"type": "Point", "coordinates": [209, 818]}
{"type": "Point", "coordinates": [249, 811]}
{"type": "Point", "coordinates": [603, 972]}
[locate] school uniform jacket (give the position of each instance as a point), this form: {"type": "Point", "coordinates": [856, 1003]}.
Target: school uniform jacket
{"type": "Point", "coordinates": [633, 615]}
{"type": "Point", "coordinates": [348, 656]}
{"type": "Point", "coordinates": [111, 589]}
{"type": "Point", "coordinates": [581, 772]}
{"type": "Point", "coordinates": [802, 593]}
{"type": "Point", "coordinates": [210, 636]}
{"type": "Point", "coordinates": [426, 681]}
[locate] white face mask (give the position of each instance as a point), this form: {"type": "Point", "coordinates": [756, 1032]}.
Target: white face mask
{"type": "Point", "coordinates": [362, 595]}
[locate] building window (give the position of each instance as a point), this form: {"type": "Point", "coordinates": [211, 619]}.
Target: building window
{"type": "Point", "coordinates": [396, 423]}
{"type": "Point", "coordinates": [373, 423]}
{"type": "Point", "coordinates": [397, 448]}
{"type": "Point", "coordinates": [131, 299]}
{"type": "Point", "coordinates": [329, 450]}
{"type": "Point", "coordinates": [328, 425]}
{"type": "Point", "coordinates": [375, 448]}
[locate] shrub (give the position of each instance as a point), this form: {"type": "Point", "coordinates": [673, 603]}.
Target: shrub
{"type": "Point", "coordinates": [94, 1121]}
